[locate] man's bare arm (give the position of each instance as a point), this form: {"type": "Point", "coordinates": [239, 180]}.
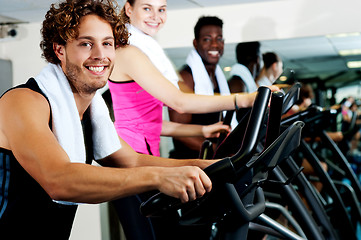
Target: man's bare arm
{"type": "Point", "coordinates": [25, 129]}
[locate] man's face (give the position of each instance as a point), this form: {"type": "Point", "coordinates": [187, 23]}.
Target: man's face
{"type": "Point", "coordinates": [88, 60]}
{"type": "Point", "coordinates": [210, 44]}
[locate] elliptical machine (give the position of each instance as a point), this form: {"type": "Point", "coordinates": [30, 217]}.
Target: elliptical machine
{"type": "Point", "coordinates": [227, 210]}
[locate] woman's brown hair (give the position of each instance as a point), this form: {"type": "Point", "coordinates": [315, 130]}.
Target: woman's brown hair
{"type": "Point", "coordinates": [124, 16]}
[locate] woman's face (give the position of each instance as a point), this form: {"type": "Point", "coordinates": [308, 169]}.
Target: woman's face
{"type": "Point", "coordinates": [147, 15]}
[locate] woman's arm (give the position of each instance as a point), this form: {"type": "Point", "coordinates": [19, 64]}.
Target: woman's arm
{"type": "Point", "coordinates": [132, 64]}
{"type": "Point", "coordinates": [174, 129]}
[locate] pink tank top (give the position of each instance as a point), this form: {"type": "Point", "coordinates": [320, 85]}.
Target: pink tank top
{"type": "Point", "coordinates": [138, 116]}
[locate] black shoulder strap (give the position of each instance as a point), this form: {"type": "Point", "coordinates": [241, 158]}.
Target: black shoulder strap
{"type": "Point", "coordinates": [31, 84]}
{"type": "Point", "coordinates": [88, 136]}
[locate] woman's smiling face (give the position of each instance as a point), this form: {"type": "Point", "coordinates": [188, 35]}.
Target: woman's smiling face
{"type": "Point", "coordinates": [148, 16]}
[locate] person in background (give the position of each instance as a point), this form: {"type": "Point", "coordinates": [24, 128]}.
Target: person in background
{"type": "Point", "coordinates": [245, 71]}
{"type": "Point", "coordinates": [350, 124]}
{"type": "Point", "coordinates": [52, 127]}
{"type": "Point", "coordinates": [348, 108]}
{"type": "Point", "coordinates": [304, 101]}
{"type": "Point", "coordinates": [202, 75]}
{"type": "Point", "coordinates": [271, 70]}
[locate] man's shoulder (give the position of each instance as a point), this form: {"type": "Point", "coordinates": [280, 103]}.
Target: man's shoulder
{"type": "Point", "coordinates": [187, 77]}
{"type": "Point", "coordinates": [234, 79]}
{"type": "Point", "coordinates": [186, 69]}
{"type": "Point", "coordinates": [28, 92]}
{"type": "Point", "coordinates": [236, 84]}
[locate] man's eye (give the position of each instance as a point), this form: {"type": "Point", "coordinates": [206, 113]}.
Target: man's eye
{"type": "Point", "coordinates": [86, 44]}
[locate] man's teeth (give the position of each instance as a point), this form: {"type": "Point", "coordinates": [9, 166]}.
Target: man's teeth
{"type": "Point", "coordinates": [213, 52]}
{"type": "Point", "coordinates": [96, 69]}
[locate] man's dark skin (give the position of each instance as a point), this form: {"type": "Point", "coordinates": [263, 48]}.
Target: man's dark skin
{"type": "Point", "coordinates": [210, 46]}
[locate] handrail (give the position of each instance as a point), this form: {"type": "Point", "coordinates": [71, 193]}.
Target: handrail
{"type": "Point", "coordinates": [291, 97]}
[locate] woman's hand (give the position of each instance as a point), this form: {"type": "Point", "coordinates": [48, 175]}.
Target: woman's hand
{"type": "Point", "coordinates": [213, 130]}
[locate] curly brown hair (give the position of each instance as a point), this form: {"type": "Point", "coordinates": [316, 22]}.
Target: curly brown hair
{"type": "Point", "coordinates": [62, 21]}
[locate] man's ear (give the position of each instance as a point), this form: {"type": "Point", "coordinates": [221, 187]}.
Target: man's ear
{"type": "Point", "coordinates": [59, 51]}
{"type": "Point", "coordinates": [195, 43]}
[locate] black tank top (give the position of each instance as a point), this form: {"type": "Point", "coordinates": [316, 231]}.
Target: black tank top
{"type": "Point", "coordinates": [26, 210]}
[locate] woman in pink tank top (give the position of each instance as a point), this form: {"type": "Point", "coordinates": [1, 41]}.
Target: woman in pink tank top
{"type": "Point", "coordinates": [138, 116]}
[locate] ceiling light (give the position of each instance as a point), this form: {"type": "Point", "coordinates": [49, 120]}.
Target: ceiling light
{"type": "Point", "coordinates": [354, 34]}
{"type": "Point", "coordinates": [349, 52]}
{"type": "Point", "coordinates": [354, 64]}
{"type": "Point", "coordinates": [227, 69]}
{"type": "Point", "coordinates": [283, 78]}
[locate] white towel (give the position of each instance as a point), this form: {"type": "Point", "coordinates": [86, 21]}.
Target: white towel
{"type": "Point", "coordinates": [155, 53]}
{"type": "Point", "coordinates": [202, 82]}
{"type": "Point", "coordinates": [264, 81]}
{"type": "Point", "coordinates": [244, 73]}
{"type": "Point", "coordinates": [66, 121]}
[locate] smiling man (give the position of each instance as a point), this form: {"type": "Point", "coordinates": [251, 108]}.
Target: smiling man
{"type": "Point", "coordinates": [54, 125]}
{"type": "Point", "coordinates": [201, 75]}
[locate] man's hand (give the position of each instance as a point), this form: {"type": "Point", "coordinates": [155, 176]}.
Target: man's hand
{"type": "Point", "coordinates": [186, 183]}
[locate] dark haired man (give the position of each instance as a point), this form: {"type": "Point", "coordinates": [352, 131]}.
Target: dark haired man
{"type": "Point", "coordinates": [201, 75]}
{"type": "Point", "coordinates": [245, 72]}
{"type": "Point", "coordinates": [52, 127]}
